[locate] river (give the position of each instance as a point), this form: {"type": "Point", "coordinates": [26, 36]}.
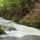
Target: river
{"type": "Point", "coordinates": [21, 33]}
{"type": "Point", "coordinates": [21, 38]}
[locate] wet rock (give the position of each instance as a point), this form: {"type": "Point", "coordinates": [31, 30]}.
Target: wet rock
{"type": "Point", "coordinates": [12, 28]}
{"type": "Point", "coordinates": [2, 31]}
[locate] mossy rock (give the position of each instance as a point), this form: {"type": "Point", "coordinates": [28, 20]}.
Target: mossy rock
{"type": "Point", "coordinates": [2, 31]}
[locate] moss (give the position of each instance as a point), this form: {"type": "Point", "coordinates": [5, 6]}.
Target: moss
{"type": "Point", "coordinates": [2, 31]}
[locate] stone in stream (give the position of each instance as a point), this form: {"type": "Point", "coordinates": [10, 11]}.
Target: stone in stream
{"type": "Point", "coordinates": [2, 31]}
{"type": "Point", "coordinates": [11, 28]}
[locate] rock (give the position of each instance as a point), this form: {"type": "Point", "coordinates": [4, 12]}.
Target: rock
{"type": "Point", "coordinates": [2, 31]}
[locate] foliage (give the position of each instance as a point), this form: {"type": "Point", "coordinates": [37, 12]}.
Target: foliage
{"type": "Point", "coordinates": [32, 20]}
{"type": "Point", "coordinates": [20, 12]}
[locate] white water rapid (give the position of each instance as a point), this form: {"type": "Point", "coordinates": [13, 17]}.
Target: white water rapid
{"type": "Point", "coordinates": [20, 31]}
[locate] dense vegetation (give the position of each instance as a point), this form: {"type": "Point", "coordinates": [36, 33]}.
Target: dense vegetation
{"type": "Point", "coordinates": [21, 11]}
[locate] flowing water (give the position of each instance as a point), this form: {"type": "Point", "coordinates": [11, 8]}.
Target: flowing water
{"type": "Point", "coordinates": [22, 38]}
{"type": "Point", "coordinates": [21, 33]}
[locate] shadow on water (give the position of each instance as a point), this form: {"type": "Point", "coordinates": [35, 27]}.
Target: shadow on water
{"type": "Point", "coordinates": [21, 38]}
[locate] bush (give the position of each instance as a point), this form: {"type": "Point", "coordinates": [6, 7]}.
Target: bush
{"type": "Point", "coordinates": [32, 20]}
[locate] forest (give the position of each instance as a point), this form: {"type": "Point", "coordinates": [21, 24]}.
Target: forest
{"type": "Point", "coordinates": [26, 12]}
